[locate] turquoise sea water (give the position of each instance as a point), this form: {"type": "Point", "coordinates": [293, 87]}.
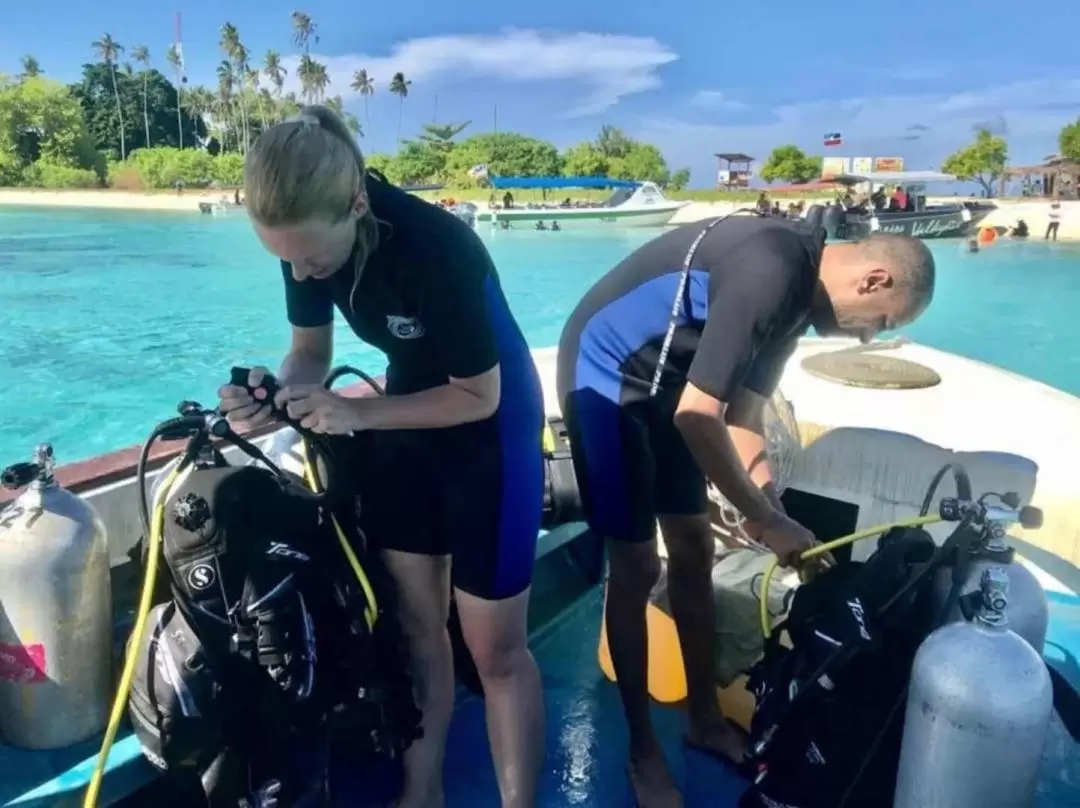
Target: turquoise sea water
{"type": "Point", "coordinates": [110, 318]}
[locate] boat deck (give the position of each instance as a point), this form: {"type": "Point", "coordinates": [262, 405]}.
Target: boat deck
{"type": "Point", "coordinates": [586, 739]}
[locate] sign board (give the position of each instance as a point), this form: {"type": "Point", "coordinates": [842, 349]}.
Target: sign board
{"type": "Point", "coordinates": [862, 165]}
{"type": "Point", "coordinates": [888, 164]}
{"type": "Point", "coordinates": [831, 166]}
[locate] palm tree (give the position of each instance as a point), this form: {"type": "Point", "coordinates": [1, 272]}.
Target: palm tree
{"type": "Point", "coordinates": [223, 103]}
{"type": "Point", "coordinates": [108, 50]}
{"type": "Point", "coordinates": [363, 83]}
{"type": "Point", "coordinates": [238, 56]}
{"type": "Point", "coordinates": [303, 30]}
{"type": "Point", "coordinates": [274, 71]}
{"type": "Point", "coordinates": [141, 54]}
{"type": "Point", "coordinates": [175, 58]}
{"type": "Point", "coordinates": [199, 103]}
{"type": "Point", "coordinates": [252, 84]}
{"type": "Point", "coordinates": [399, 86]}
{"type": "Point", "coordinates": [31, 68]}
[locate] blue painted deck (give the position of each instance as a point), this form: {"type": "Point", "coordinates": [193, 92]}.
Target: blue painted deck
{"type": "Point", "coordinates": [586, 739]}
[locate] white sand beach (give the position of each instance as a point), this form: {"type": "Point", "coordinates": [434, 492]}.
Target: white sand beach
{"type": "Point", "coordinates": [1035, 212]}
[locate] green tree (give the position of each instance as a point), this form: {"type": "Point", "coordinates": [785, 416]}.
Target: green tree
{"type": "Point", "coordinates": [273, 70]}
{"type": "Point", "coordinates": [175, 60]}
{"type": "Point", "coordinates": [95, 94]}
{"type": "Point", "coordinates": [304, 31]}
{"type": "Point", "coordinates": [1069, 141]}
{"type": "Point", "coordinates": [584, 160]}
{"type": "Point", "coordinates": [31, 68]}
{"type": "Point", "coordinates": [506, 154]}
{"type": "Point", "coordinates": [141, 54]}
{"type": "Point", "coordinates": [982, 161]}
{"type": "Point", "coordinates": [363, 83]}
{"type": "Point", "coordinates": [679, 179]}
{"type": "Point", "coordinates": [791, 164]}
{"type": "Point", "coordinates": [40, 121]}
{"type": "Point", "coordinates": [109, 50]}
{"type": "Point", "coordinates": [351, 121]}
{"type": "Point", "coordinates": [641, 161]}
{"type": "Point", "coordinates": [399, 86]}
{"type": "Point", "coordinates": [613, 143]}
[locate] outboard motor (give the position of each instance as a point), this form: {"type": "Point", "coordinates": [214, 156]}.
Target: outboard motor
{"type": "Point", "coordinates": [1029, 612]}
{"type": "Point", "coordinates": [978, 712]}
{"type": "Point", "coordinates": [834, 220]}
{"type": "Point", "coordinates": [56, 640]}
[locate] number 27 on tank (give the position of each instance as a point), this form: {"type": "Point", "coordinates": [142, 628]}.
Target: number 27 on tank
{"type": "Point", "coordinates": [9, 516]}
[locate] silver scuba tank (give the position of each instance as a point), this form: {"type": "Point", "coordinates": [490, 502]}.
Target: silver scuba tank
{"type": "Point", "coordinates": [978, 712]}
{"type": "Point", "coordinates": [1029, 611]}
{"type": "Point", "coordinates": [56, 644]}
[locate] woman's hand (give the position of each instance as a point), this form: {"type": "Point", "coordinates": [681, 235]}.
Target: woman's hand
{"type": "Point", "coordinates": [243, 411]}
{"type": "Point", "coordinates": [319, 409]}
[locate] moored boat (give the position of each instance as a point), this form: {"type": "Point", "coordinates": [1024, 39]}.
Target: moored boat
{"type": "Point", "coordinates": [918, 218]}
{"type": "Point", "coordinates": [904, 410]}
{"type": "Point", "coordinates": [631, 204]}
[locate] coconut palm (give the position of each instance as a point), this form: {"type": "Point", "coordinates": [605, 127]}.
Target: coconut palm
{"type": "Point", "coordinates": [351, 121]}
{"type": "Point", "coordinates": [238, 56]}
{"type": "Point", "coordinates": [399, 86]}
{"type": "Point", "coordinates": [141, 54]}
{"type": "Point", "coordinates": [109, 50]}
{"type": "Point", "coordinates": [304, 31]}
{"type": "Point", "coordinates": [363, 83]}
{"type": "Point", "coordinates": [274, 71]}
{"type": "Point", "coordinates": [175, 58]}
{"type": "Point", "coordinates": [224, 102]}
{"type": "Point", "coordinates": [31, 68]}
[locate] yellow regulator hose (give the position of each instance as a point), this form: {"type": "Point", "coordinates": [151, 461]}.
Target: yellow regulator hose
{"type": "Point", "coordinates": [153, 553]}
{"type": "Point", "coordinates": [821, 549]}
{"type": "Point", "coordinates": [371, 613]}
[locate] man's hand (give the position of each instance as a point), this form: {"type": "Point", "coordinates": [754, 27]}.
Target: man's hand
{"type": "Point", "coordinates": [319, 409]}
{"type": "Point", "coordinates": [787, 538]}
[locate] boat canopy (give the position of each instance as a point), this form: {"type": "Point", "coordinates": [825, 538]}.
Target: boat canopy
{"type": "Point", "coordinates": [549, 183]}
{"type": "Point", "coordinates": [893, 177]}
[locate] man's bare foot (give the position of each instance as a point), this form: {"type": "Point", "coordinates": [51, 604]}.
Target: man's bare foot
{"type": "Point", "coordinates": [718, 738]}
{"type": "Point", "coordinates": [652, 782]}
{"type": "Point", "coordinates": [432, 798]}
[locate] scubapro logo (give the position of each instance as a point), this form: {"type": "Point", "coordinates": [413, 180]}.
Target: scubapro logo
{"type": "Point", "coordinates": [404, 327]}
{"type": "Point", "coordinates": [201, 576]}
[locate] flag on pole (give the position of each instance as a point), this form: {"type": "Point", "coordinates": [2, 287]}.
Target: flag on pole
{"type": "Point", "coordinates": [833, 139]}
{"type": "Point", "coordinates": [478, 171]}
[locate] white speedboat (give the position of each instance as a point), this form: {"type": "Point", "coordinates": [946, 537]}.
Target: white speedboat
{"type": "Point", "coordinates": [631, 204]}
{"type": "Point", "coordinates": [870, 428]}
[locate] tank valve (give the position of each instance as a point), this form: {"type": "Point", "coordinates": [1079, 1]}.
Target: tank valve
{"type": "Point", "coordinates": [995, 596]}
{"type": "Point", "coordinates": [39, 471]}
{"type": "Point", "coordinates": [45, 460]}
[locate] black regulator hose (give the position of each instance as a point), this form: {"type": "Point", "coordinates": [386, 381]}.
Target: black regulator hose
{"type": "Point", "coordinates": [961, 479]}
{"type": "Point", "coordinates": [349, 370]}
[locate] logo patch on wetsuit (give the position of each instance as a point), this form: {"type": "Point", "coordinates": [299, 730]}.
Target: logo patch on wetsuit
{"type": "Point", "coordinates": [404, 327]}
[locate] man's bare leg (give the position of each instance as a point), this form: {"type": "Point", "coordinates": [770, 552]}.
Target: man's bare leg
{"type": "Point", "coordinates": [690, 547]}
{"type": "Point", "coordinates": [496, 634]}
{"type": "Point", "coordinates": [634, 569]}
{"type": "Point", "coordinates": [423, 584]}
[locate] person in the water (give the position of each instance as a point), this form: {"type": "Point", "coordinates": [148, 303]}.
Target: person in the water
{"type": "Point", "coordinates": [664, 369]}
{"type": "Point", "coordinates": [453, 487]}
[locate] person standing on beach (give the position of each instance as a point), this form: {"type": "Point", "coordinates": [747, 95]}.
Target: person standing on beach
{"type": "Point", "coordinates": [451, 466]}
{"type": "Point", "coordinates": [664, 369]}
{"type": "Point", "coordinates": [1055, 222]}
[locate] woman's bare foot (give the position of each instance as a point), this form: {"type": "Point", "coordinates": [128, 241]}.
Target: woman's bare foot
{"type": "Point", "coordinates": [720, 739]}
{"type": "Point", "coordinates": [652, 782]}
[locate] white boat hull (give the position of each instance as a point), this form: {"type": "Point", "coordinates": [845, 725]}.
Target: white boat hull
{"type": "Point", "coordinates": [578, 217]}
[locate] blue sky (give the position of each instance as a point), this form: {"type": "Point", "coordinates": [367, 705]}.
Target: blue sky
{"type": "Point", "coordinates": [695, 77]}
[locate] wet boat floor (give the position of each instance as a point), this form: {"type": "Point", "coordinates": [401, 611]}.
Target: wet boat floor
{"type": "Point", "coordinates": [586, 736]}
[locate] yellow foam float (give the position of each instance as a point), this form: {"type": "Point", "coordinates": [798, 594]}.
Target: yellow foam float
{"type": "Point", "coordinates": [667, 675]}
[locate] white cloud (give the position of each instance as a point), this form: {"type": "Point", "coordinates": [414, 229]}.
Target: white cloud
{"type": "Point", "coordinates": [716, 100]}
{"type": "Point", "coordinates": [609, 66]}
{"type": "Point", "coordinates": [1033, 113]}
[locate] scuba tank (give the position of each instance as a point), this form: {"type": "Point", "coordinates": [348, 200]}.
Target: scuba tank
{"type": "Point", "coordinates": [978, 712]}
{"type": "Point", "coordinates": [1029, 613]}
{"type": "Point", "coordinates": [56, 641]}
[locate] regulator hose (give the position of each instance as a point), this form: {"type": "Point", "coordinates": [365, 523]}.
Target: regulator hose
{"type": "Point", "coordinates": [963, 492]}
{"type": "Point", "coordinates": [156, 526]}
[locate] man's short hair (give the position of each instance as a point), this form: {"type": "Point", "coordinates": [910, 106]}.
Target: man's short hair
{"type": "Point", "coordinates": [908, 260]}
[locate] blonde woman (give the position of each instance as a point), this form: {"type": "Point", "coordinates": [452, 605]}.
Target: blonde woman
{"type": "Point", "coordinates": [457, 439]}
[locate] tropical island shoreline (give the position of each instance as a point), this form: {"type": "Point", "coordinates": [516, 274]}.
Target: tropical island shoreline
{"type": "Point", "coordinates": [702, 205]}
